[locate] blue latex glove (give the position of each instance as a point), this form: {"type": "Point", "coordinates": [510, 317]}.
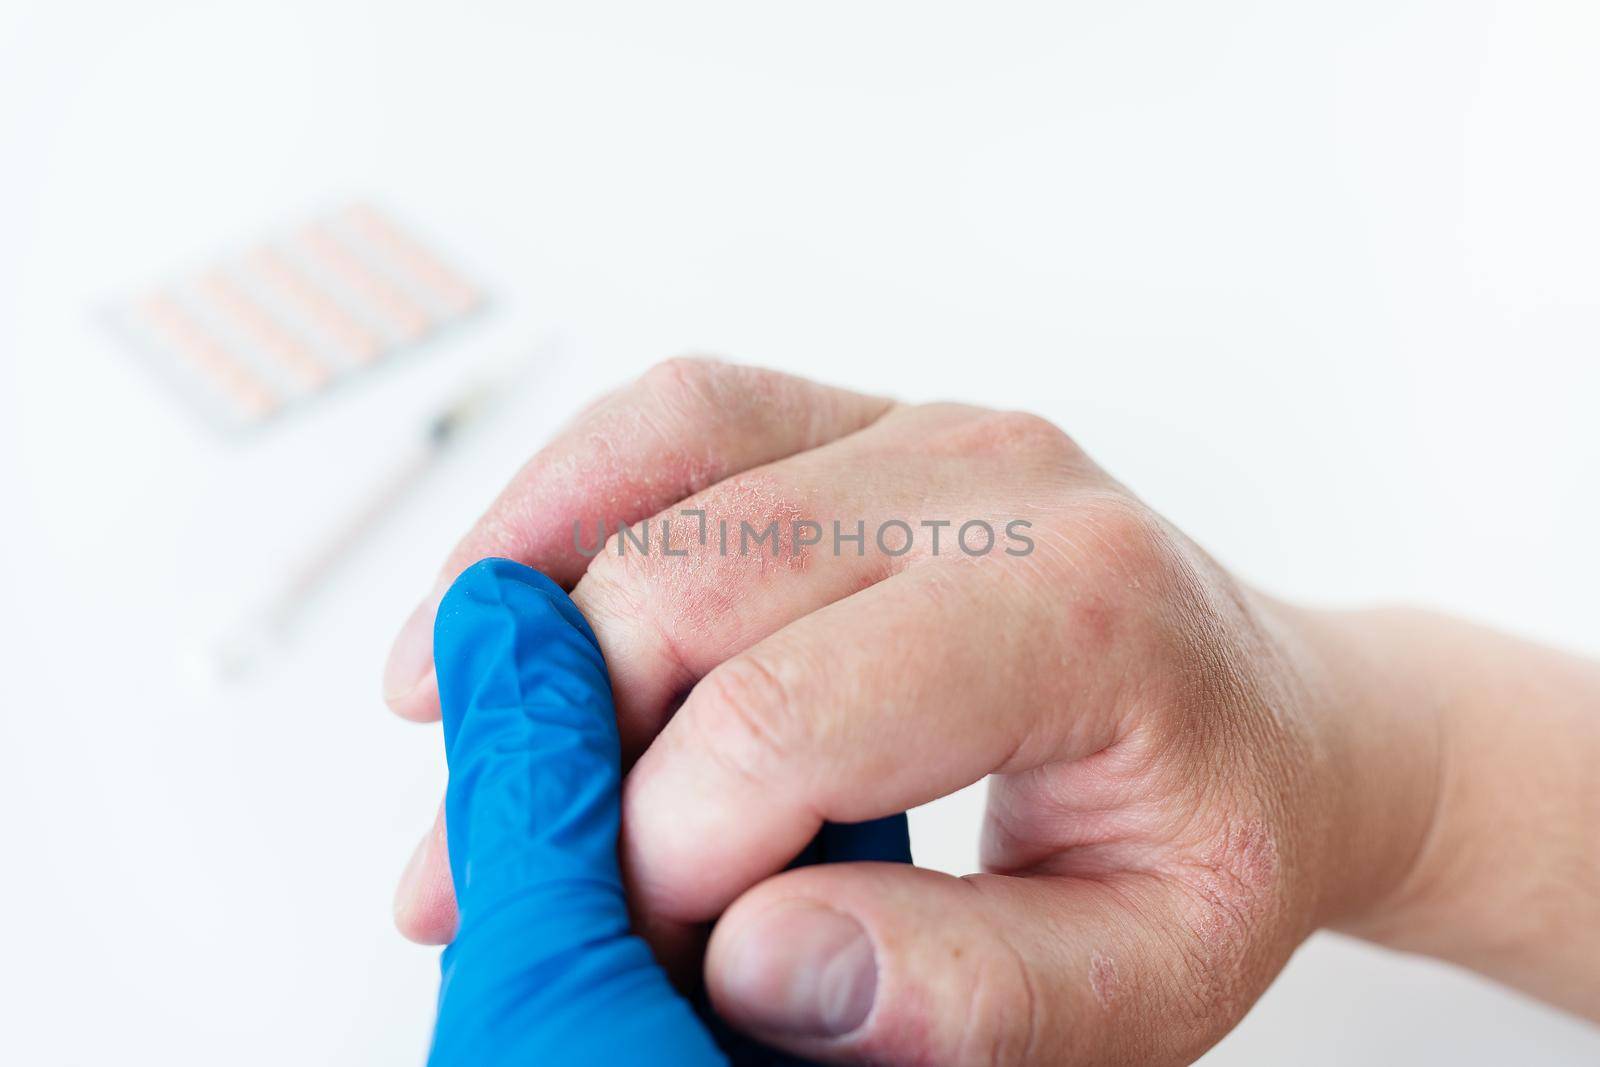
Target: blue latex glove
{"type": "Point", "coordinates": [544, 968]}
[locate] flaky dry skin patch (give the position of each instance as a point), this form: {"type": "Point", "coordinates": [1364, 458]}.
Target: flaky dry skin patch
{"type": "Point", "coordinates": [1235, 879]}
{"type": "Point", "coordinates": [711, 586]}
{"type": "Point", "coordinates": [1230, 896]}
{"type": "Point", "coordinates": [731, 565]}
{"type": "Point", "coordinates": [1103, 980]}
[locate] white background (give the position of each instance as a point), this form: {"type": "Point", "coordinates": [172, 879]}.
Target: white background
{"type": "Point", "coordinates": [1319, 280]}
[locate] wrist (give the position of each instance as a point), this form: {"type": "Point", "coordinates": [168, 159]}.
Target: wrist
{"type": "Point", "coordinates": [1466, 812]}
{"type": "Point", "coordinates": [1380, 750]}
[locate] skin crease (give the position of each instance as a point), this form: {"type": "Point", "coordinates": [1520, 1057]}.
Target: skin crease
{"type": "Point", "coordinates": [1186, 777]}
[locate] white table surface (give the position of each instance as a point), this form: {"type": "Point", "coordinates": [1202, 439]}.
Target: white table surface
{"type": "Point", "coordinates": [1317, 280]}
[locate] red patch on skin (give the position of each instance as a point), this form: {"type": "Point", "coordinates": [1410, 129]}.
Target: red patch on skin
{"type": "Point", "coordinates": [731, 563]}
{"type": "Point", "coordinates": [567, 501]}
{"type": "Point", "coordinates": [619, 487]}
{"type": "Point", "coordinates": [1094, 623]}
{"type": "Point", "coordinates": [1248, 852]}
{"type": "Point", "coordinates": [694, 596]}
{"type": "Point", "coordinates": [1103, 980]}
{"type": "Point", "coordinates": [1234, 881]}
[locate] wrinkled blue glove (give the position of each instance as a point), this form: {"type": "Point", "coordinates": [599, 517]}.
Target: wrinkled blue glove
{"type": "Point", "coordinates": [544, 968]}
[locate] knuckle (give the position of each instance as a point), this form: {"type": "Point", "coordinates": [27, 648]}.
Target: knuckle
{"type": "Point", "coordinates": [621, 594]}
{"type": "Point", "coordinates": [999, 1014]}
{"type": "Point", "coordinates": [506, 528]}
{"type": "Point", "coordinates": [1023, 433]}
{"type": "Point", "coordinates": [611, 584]}
{"type": "Point", "coordinates": [749, 711]}
{"type": "Point", "coordinates": [685, 383]}
{"type": "Point", "coordinates": [496, 533]}
{"type": "Point", "coordinates": [621, 597]}
{"type": "Point", "coordinates": [1134, 589]}
{"type": "Point", "coordinates": [1004, 1018]}
{"type": "Point", "coordinates": [961, 430]}
{"type": "Point", "coordinates": [632, 564]}
{"type": "Point", "coordinates": [1121, 538]}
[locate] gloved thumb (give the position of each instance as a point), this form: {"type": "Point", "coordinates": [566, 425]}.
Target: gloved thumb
{"type": "Point", "coordinates": [544, 968]}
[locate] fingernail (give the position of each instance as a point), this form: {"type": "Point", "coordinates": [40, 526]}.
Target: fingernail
{"type": "Point", "coordinates": [803, 970]}
{"type": "Point", "coordinates": [411, 657]}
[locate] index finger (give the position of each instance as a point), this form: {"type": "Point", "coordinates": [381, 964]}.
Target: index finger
{"type": "Point", "coordinates": [685, 425]}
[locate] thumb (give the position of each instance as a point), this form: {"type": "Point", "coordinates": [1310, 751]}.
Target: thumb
{"type": "Point", "coordinates": [889, 964]}
{"type": "Point", "coordinates": [543, 968]}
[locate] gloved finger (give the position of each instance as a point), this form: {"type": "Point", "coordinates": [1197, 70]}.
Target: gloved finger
{"type": "Point", "coordinates": [544, 968]}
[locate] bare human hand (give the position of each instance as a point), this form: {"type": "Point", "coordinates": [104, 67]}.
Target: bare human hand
{"type": "Point", "coordinates": [1186, 778]}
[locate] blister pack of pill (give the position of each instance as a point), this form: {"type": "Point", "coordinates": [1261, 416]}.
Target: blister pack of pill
{"type": "Point", "coordinates": [263, 329]}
